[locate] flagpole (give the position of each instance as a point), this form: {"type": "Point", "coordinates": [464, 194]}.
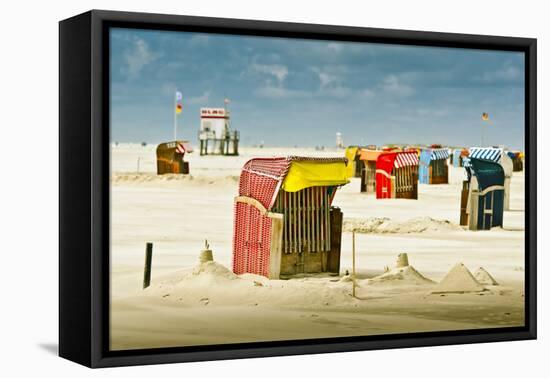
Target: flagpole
{"type": "Point", "coordinates": [484, 119]}
{"type": "Point", "coordinates": [175, 114]}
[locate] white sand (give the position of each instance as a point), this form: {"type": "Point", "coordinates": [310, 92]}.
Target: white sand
{"type": "Point", "coordinates": [177, 213]}
{"type": "Point", "coordinates": [388, 226]}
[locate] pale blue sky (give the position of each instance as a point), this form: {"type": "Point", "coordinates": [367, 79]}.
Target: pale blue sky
{"type": "Point", "coordinates": [289, 92]}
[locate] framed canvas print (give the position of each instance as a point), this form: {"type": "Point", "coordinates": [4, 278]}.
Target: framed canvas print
{"type": "Point", "coordinates": [234, 188]}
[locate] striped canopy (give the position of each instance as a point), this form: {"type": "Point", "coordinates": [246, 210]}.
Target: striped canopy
{"type": "Point", "coordinates": [262, 178]}
{"type": "Point", "coordinates": [439, 154]}
{"type": "Point", "coordinates": [486, 153]}
{"type": "Point", "coordinates": [184, 147]}
{"type": "Point", "coordinates": [404, 159]}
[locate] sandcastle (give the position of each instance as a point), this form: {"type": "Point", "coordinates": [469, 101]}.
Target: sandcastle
{"type": "Point", "coordinates": [484, 278]}
{"type": "Point", "coordinates": [402, 260]}
{"type": "Point", "coordinates": [402, 273]}
{"type": "Point", "coordinates": [206, 254]}
{"type": "Point", "coordinates": [459, 280]}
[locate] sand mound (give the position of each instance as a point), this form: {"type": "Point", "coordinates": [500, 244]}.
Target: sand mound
{"type": "Point", "coordinates": [214, 269]}
{"type": "Point", "coordinates": [209, 272]}
{"type": "Point", "coordinates": [484, 278]}
{"type": "Point", "coordinates": [211, 284]}
{"type": "Point", "coordinates": [346, 278]}
{"type": "Point", "coordinates": [458, 280]}
{"type": "Point", "coordinates": [128, 178]}
{"type": "Point", "coordinates": [388, 226]}
{"type": "Point", "coordinates": [405, 275]}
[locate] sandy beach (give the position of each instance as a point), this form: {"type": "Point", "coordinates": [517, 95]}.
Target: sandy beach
{"type": "Point", "coordinates": [193, 304]}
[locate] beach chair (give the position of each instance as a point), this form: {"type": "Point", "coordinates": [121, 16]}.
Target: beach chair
{"type": "Point", "coordinates": [285, 223]}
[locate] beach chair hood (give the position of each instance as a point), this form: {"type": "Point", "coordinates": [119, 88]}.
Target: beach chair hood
{"type": "Point", "coordinates": [389, 160]}
{"type": "Point", "coordinates": [369, 155]}
{"type": "Point", "coordinates": [351, 154]}
{"type": "Point", "coordinates": [494, 154]}
{"type": "Point", "coordinates": [262, 178]}
{"type": "Point", "coordinates": [488, 173]}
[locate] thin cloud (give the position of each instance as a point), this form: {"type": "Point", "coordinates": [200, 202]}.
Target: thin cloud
{"type": "Point", "coordinates": [202, 99]}
{"type": "Point", "coordinates": [509, 73]}
{"type": "Point", "coordinates": [278, 92]}
{"type": "Point", "coordinates": [337, 47]}
{"type": "Point", "coordinates": [336, 91]}
{"type": "Point", "coordinates": [367, 93]}
{"type": "Point", "coordinates": [392, 85]}
{"type": "Point", "coordinates": [139, 56]}
{"type": "Point", "coordinates": [199, 40]}
{"type": "Point", "coordinates": [326, 79]}
{"type": "Point", "coordinates": [278, 71]}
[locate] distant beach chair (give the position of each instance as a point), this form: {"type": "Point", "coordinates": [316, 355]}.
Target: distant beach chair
{"type": "Point", "coordinates": [170, 157]}
{"type": "Point", "coordinates": [482, 200]}
{"type": "Point", "coordinates": [397, 175]}
{"type": "Point", "coordinates": [433, 167]}
{"type": "Point", "coordinates": [517, 160]}
{"type": "Point", "coordinates": [497, 155]}
{"type": "Point", "coordinates": [355, 165]}
{"type": "Point", "coordinates": [457, 156]}
{"type": "Point", "coordinates": [367, 161]}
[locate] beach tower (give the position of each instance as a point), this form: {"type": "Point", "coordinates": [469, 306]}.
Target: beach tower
{"type": "Point", "coordinates": [397, 175]}
{"type": "Point", "coordinates": [339, 140]}
{"type": "Point", "coordinates": [215, 134]}
{"type": "Point", "coordinates": [433, 168]}
{"type": "Point", "coordinates": [368, 159]}
{"type": "Point", "coordinates": [170, 157]}
{"type": "Point", "coordinates": [284, 221]}
{"type": "Point", "coordinates": [499, 156]}
{"type": "Point", "coordinates": [482, 201]}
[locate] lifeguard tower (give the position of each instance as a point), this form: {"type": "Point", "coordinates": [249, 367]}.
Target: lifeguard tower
{"type": "Point", "coordinates": [215, 134]}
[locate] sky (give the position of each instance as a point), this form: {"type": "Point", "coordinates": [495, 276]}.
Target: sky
{"type": "Point", "coordinates": [297, 92]}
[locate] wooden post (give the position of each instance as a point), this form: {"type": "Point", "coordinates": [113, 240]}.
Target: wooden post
{"type": "Point", "coordinates": [327, 221]}
{"type": "Point", "coordinates": [415, 183]}
{"type": "Point", "coordinates": [464, 203]}
{"type": "Point", "coordinates": [353, 262]}
{"type": "Point", "coordinates": [363, 187]}
{"type": "Point", "coordinates": [299, 219]}
{"type": "Point", "coordinates": [292, 224]}
{"type": "Point", "coordinates": [310, 236]}
{"type": "Point", "coordinates": [147, 270]}
{"type": "Point", "coordinates": [333, 260]}
{"type": "Point", "coordinates": [474, 210]}
{"type": "Point", "coordinates": [318, 217]}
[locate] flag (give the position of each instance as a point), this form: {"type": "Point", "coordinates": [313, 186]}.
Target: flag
{"type": "Point", "coordinates": [226, 100]}
{"type": "Point", "coordinates": [179, 105]}
{"type": "Point", "coordinates": [485, 116]}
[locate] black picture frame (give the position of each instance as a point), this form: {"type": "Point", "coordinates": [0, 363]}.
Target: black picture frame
{"type": "Point", "coordinates": [84, 187]}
